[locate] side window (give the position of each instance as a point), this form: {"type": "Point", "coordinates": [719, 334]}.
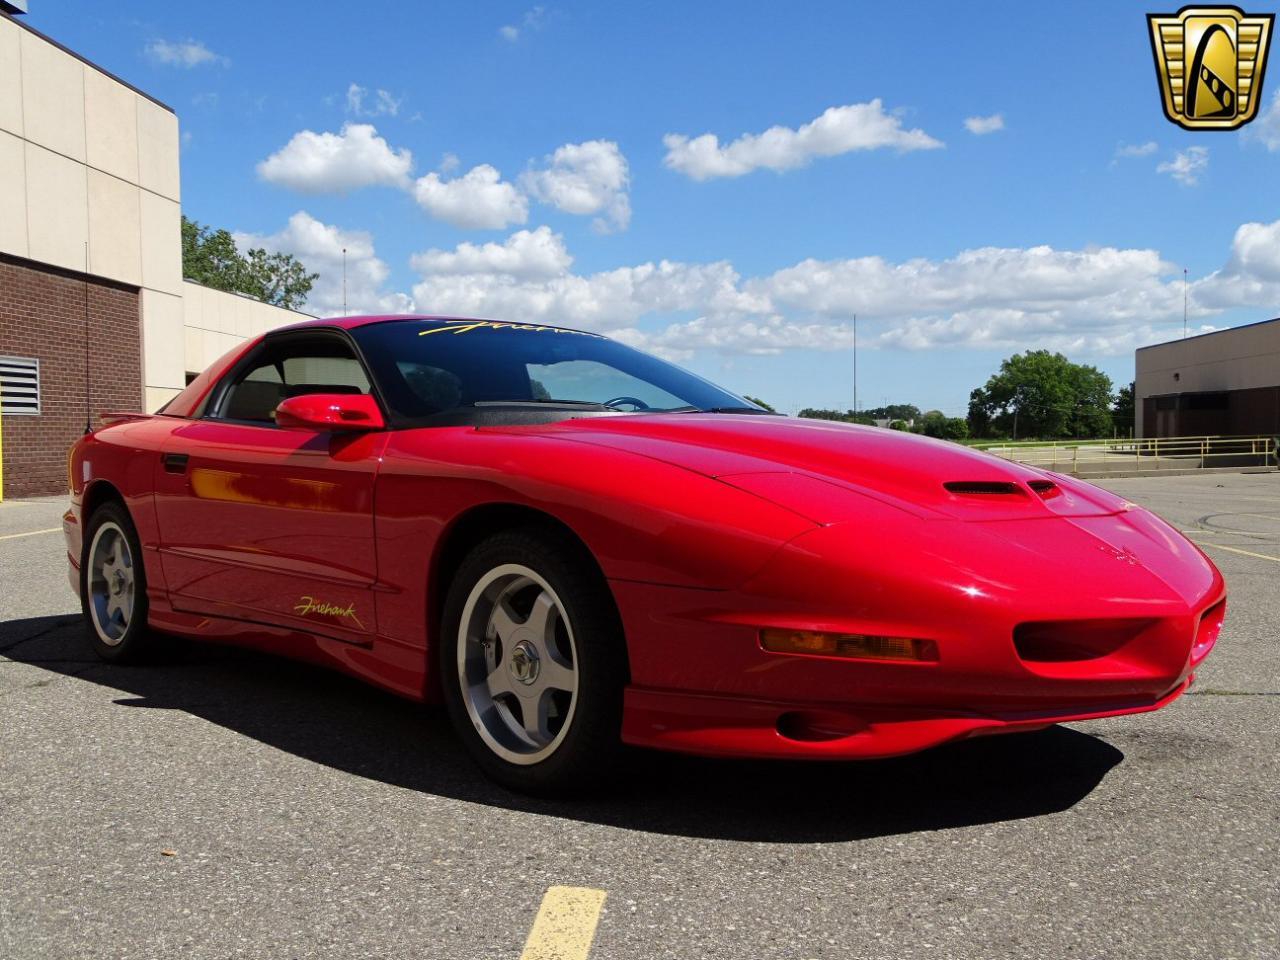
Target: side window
{"type": "Point", "coordinates": [291, 369]}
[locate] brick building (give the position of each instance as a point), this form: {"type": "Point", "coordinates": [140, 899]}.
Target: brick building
{"type": "Point", "coordinates": [90, 257]}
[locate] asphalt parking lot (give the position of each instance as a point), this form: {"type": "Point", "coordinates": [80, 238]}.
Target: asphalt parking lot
{"type": "Point", "coordinates": [228, 804]}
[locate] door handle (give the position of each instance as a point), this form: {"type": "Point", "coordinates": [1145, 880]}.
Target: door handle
{"type": "Point", "coordinates": [174, 462]}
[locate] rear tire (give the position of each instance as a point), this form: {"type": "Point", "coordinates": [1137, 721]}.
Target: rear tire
{"type": "Point", "coordinates": [533, 663]}
{"type": "Point", "coordinates": [113, 587]}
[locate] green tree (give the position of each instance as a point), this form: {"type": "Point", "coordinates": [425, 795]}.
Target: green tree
{"type": "Point", "coordinates": [210, 257]}
{"type": "Point", "coordinates": [848, 416]}
{"type": "Point", "coordinates": [1043, 395]}
{"type": "Point", "coordinates": [758, 402]}
{"type": "Point", "coordinates": [1123, 411]}
{"type": "Point", "coordinates": [935, 423]}
{"type": "Point", "coordinates": [894, 411]}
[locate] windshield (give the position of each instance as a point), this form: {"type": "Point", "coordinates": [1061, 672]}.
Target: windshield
{"type": "Point", "coordinates": [427, 367]}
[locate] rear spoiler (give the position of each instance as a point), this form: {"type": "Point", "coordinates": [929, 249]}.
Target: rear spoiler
{"type": "Point", "coordinates": [112, 417]}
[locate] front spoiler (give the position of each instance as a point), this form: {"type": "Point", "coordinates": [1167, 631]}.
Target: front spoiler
{"type": "Point", "coordinates": [717, 726]}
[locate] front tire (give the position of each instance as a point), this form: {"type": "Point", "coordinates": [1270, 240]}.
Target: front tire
{"type": "Point", "coordinates": [534, 663]}
{"type": "Point", "coordinates": [113, 586]}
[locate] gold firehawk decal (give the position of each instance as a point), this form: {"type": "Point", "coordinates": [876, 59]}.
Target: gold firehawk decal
{"type": "Point", "coordinates": [1210, 63]}
{"type": "Point", "coordinates": [468, 325]}
{"type": "Point", "coordinates": [308, 605]}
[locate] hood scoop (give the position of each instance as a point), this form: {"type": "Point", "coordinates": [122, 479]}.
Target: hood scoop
{"type": "Point", "coordinates": [1044, 489]}
{"type": "Point", "coordinates": [983, 488]}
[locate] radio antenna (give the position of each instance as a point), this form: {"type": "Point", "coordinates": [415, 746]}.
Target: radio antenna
{"type": "Point", "coordinates": [88, 420]}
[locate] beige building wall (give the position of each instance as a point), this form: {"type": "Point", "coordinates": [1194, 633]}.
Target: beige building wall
{"type": "Point", "coordinates": [89, 181]}
{"type": "Point", "coordinates": [214, 321]}
{"type": "Point", "coordinates": [1242, 358]}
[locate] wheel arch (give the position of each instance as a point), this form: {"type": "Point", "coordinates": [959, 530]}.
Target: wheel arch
{"type": "Point", "coordinates": [464, 533]}
{"type": "Point", "coordinates": [96, 494]}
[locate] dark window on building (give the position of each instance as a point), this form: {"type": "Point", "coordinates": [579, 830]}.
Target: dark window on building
{"type": "Point", "coordinates": [19, 386]}
{"type": "Point", "coordinates": [1166, 403]}
{"type": "Point", "coordinates": [1206, 401]}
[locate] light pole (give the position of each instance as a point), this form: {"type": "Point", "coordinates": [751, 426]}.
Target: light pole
{"type": "Point", "coordinates": [855, 365]}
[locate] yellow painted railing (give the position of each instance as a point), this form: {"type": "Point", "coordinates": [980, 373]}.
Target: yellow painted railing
{"type": "Point", "coordinates": [1145, 455]}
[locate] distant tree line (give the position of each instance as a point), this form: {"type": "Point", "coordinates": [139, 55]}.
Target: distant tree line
{"type": "Point", "coordinates": [899, 416]}
{"type": "Point", "coordinates": [1037, 395]}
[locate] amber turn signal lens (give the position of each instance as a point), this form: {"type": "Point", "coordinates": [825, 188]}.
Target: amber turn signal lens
{"type": "Point", "coordinates": [851, 646]}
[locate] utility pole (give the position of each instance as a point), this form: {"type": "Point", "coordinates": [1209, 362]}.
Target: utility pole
{"type": "Point", "coordinates": [344, 281]}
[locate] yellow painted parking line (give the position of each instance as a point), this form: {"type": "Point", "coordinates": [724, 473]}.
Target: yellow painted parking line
{"type": "Point", "coordinates": [565, 924]}
{"type": "Point", "coordinates": [30, 533]}
{"type": "Point", "coordinates": [1247, 553]}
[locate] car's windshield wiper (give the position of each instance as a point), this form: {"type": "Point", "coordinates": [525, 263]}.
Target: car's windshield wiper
{"type": "Point", "coordinates": [546, 401]}
{"type": "Point", "coordinates": [751, 410]}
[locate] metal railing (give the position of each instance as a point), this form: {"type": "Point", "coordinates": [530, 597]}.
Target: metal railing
{"type": "Point", "coordinates": [1145, 455]}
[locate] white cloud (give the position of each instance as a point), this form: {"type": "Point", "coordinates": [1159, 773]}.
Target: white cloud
{"type": "Point", "coordinates": [980, 126]}
{"type": "Point", "coordinates": [1093, 301]}
{"type": "Point", "coordinates": [526, 254]}
{"type": "Point", "coordinates": [1126, 150]}
{"type": "Point", "coordinates": [859, 126]}
{"type": "Point", "coordinates": [183, 53]}
{"type": "Point", "coordinates": [1265, 129]}
{"type": "Point", "coordinates": [319, 247]}
{"type": "Point", "coordinates": [1098, 300]}
{"type": "Point", "coordinates": [382, 103]}
{"type": "Point", "coordinates": [766, 336]}
{"type": "Point", "coordinates": [1187, 165]}
{"type": "Point", "coordinates": [528, 277]}
{"type": "Point", "coordinates": [532, 20]}
{"type": "Point", "coordinates": [583, 179]}
{"type": "Point", "coordinates": [479, 199]}
{"type": "Point", "coordinates": [337, 162]}
{"type": "Point", "coordinates": [1251, 275]}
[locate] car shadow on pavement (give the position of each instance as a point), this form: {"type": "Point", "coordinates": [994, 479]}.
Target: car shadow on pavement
{"type": "Point", "coordinates": [341, 723]}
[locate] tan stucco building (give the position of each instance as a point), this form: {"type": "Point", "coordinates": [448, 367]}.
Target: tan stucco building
{"type": "Point", "coordinates": [1225, 383]}
{"type": "Point", "coordinates": [90, 257]}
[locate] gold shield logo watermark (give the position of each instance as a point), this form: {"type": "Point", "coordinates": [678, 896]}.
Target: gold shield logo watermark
{"type": "Point", "coordinates": [1210, 63]}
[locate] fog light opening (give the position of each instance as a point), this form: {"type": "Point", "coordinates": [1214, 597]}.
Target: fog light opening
{"type": "Point", "coordinates": [819, 726]}
{"type": "Point", "coordinates": [849, 646]}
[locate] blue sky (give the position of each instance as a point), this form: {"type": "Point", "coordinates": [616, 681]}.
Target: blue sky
{"type": "Point", "coordinates": [544, 163]}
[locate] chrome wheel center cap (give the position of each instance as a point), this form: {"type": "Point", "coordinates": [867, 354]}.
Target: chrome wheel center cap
{"type": "Point", "coordinates": [525, 662]}
{"type": "Point", "coordinates": [118, 583]}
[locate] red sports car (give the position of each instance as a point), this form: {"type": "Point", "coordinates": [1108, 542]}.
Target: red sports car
{"type": "Point", "coordinates": [576, 545]}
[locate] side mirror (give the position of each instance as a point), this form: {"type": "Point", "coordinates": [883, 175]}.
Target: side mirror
{"type": "Point", "coordinates": [332, 412]}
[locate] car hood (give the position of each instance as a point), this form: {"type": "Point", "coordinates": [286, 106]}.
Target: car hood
{"type": "Point", "coordinates": [812, 466]}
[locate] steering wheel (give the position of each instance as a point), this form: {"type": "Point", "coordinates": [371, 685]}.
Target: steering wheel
{"type": "Point", "coordinates": [634, 401]}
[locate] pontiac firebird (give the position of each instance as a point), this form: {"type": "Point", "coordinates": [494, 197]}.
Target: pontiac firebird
{"type": "Point", "coordinates": [577, 546]}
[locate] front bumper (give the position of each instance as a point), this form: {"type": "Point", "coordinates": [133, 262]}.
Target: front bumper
{"type": "Point", "coordinates": [733, 727]}
{"type": "Point", "coordinates": [75, 546]}
{"type": "Point", "coordinates": [1148, 607]}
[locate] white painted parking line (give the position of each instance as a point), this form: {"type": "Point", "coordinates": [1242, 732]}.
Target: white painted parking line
{"type": "Point", "coordinates": [565, 924]}
{"type": "Point", "coordinates": [29, 533]}
{"type": "Point", "coordinates": [1247, 553]}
